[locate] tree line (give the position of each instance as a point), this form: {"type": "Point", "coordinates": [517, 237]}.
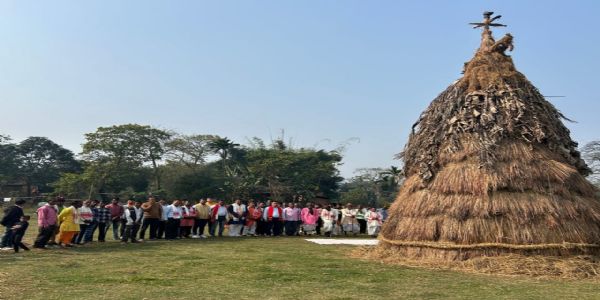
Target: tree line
{"type": "Point", "coordinates": [132, 161]}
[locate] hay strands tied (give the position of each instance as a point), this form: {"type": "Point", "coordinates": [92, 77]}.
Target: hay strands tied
{"type": "Point", "coordinates": [491, 169]}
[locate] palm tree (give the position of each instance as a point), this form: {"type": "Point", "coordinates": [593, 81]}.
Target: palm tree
{"type": "Point", "coordinates": [223, 147]}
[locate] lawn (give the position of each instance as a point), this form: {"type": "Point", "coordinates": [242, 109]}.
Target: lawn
{"type": "Point", "coordinates": [249, 268]}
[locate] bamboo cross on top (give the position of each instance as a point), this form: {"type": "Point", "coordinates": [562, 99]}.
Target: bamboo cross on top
{"type": "Point", "coordinates": [488, 21]}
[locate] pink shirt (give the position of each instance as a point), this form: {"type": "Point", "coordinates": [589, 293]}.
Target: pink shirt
{"type": "Point", "coordinates": [309, 219]}
{"type": "Point", "coordinates": [290, 214]}
{"type": "Point", "coordinates": [46, 216]}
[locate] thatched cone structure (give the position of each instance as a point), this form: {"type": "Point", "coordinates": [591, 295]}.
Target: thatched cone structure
{"type": "Point", "coordinates": [491, 169]}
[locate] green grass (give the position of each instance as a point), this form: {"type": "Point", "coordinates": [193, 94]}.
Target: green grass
{"type": "Point", "coordinates": [249, 268]}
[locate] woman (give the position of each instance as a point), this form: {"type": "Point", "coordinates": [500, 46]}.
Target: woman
{"type": "Point", "coordinates": [329, 217]}
{"type": "Point", "coordinates": [187, 222]}
{"type": "Point", "coordinates": [254, 215]}
{"type": "Point", "coordinates": [373, 222]}
{"type": "Point", "coordinates": [86, 217]}
{"type": "Point", "coordinates": [310, 217]}
{"type": "Point", "coordinates": [69, 224]}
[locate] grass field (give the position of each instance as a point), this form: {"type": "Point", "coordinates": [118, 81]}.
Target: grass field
{"type": "Point", "coordinates": [249, 268]}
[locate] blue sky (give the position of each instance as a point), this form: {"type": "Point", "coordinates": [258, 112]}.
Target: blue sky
{"type": "Point", "coordinates": [326, 72]}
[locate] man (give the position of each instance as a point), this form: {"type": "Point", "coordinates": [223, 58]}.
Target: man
{"type": "Point", "coordinates": [47, 215]}
{"type": "Point", "coordinates": [349, 221]}
{"type": "Point", "coordinates": [238, 212]}
{"type": "Point", "coordinates": [59, 206]}
{"type": "Point", "coordinates": [274, 216]}
{"type": "Point", "coordinates": [100, 222]}
{"type": "Point", "coordinates": [116, 211]}
{"type": "Point", "coordinates": [12, 216]}
{"type": "Point", "coordinates": [360, 217]}
{"type": "Point", "coordinates": [335, 209]}
{"type": "Point", "coordinates": [133, 217]}
{"type": "Point", "coordinates": [290, 218]}
{"type": "Point", "coordinates": [152, 214]}
{"type": "Point", "coordinates": [202, 218]}
{"type": "Point", "coordinates": [174, 215]}
{"type": "Point", "coordinates": [218, 218]}
{"type": "Point", "coordinates": [162, 223]}
{"type": "Point", "coordinates": [299, 217]}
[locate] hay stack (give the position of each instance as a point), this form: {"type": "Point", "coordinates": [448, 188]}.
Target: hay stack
{"type": "Point", "coordinates": [491, 170]}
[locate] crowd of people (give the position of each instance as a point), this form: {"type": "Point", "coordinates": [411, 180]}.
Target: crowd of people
{"type": "Point", "coordinates": [76, 224]}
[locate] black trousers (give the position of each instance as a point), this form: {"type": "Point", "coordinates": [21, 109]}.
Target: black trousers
{"type": "Point", "coordinates": [102, 232]}
{"type": "Point", "coordinates": [130, 233]}
{"type": "Point", "coordinates": [290, 227]}
{"type": "Point", "coordinates": [153, 224]}
{"type": "Point", "coordinates": [44, 235]}
{"type": "Point", "coordinates": [172, 229]}
{"type": "Point", "coordinates": [261, 227]}
{"type": "Point", "coordinates": [363, 225]}
{"type": "Point", "coordinates": [274, 227]}
{"type": "Point", "coordinates": [17, 242]}
{"type": "Point", "coordinates": [122, 228]}
{"type": "Point", "coordinates": [199, 225]}
{"type": "Point", "coordinates": [161, 229]}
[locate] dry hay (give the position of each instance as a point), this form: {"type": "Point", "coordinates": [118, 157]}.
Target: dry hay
{"type": "Point", "coordinates": [538, 266]}
{"type": "Point", "coordinates": [492, 171]}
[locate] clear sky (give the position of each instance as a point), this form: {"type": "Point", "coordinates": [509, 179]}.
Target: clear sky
{"type": "Point", "coordinates": [326, 72]}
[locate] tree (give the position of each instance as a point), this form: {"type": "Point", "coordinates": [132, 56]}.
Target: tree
{"type": "Point", "coordinates": [223, 147]}
{"type": "Point", "coordinates": [41, 161]}
{"type": "Point", "coordinates": [372, 186]}
{"type": "Point", "coordinates": [591, 154]}
{"type": "Point", "coordinates": [122, 148]}
{"type": "Point", "coordinates": [288, 173]}
{"type": "Point", "coordinates": [8, 160]}
{"type": "Point", "coordinates": [190, 150]}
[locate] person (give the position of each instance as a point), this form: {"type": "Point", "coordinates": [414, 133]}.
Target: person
{"type": "Point", "coordinates": [69, 224]}
{"type": "Point", "coordinates": [19, 230]}
{"type": "Point", "coordinates": [349, 221]}
{"type": "Point", "coordinates": [116, 211]}
{"type": "Point", "coordinates": [336, 209]}
{"type": "Point", "coordinates": [59, 206]}
{"type": "Point", "coordinates": [152, 214]}
{"type": "Point", "coordinates": [187, 220]}
{"type": "Point", "coordinates": [254, 215]}
{"type": "Point", "coordinates": [162, 223]}
{"type": "Point", "coordinates": [133, 217]}
{"type": "Point", "coordinates": [329, 217]}
{"type": "Point", "coordinates": [47, 215]}
{"type": "Point", "coordinates": [298, 218]}
{"type": "Point", "coordinates": [309, 216]}
{"type": "Point", "coordinates": [238, 213]}
{"type": "Point", "coordinates": [290, 218]}
{"type": "Point", "coordinates": [360, 217]}
{"type": "Point", "coordinates": [274, 216]}
{"type": "Point", "coordinates": [218, 218]}
{"type": "Point", "coordinates": [202, 218]}
{"type": "Point", "coordinates": [86, 217]}
{"type": "Point", "coordinates": [261, 223]}
{"type": "Point", "coordinates": [100, 222]}
{"type": "Point", "coordinates": [319, 209]}
{"type": "Point", "coordinates": [12, 216]}
{"type": "Point", "coordinates": [174, 215]}
{"type": "Point", "coordinates": [383, 213]}
{"type": "Point", "coordinates": [374, 221]}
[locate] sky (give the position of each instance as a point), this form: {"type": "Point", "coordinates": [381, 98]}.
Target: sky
{"type": "Point", "coordinates": [326, 73]}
